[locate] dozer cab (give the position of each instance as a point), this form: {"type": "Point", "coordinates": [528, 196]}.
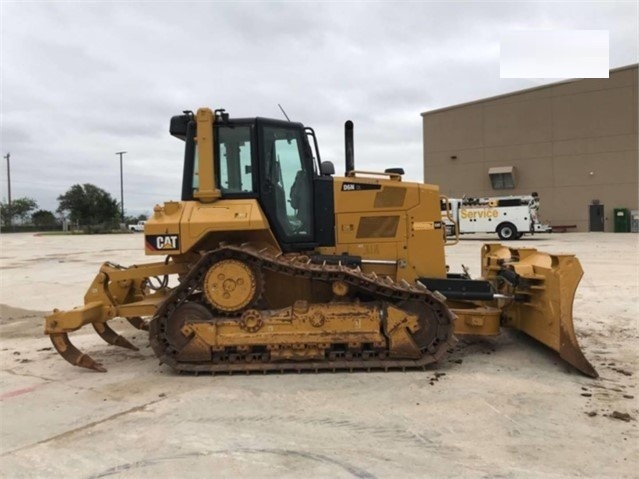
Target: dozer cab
{"type": "Point", "coordinates": [270, 262]}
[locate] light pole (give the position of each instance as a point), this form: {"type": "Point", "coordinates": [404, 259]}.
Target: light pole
{"type": "Point", "coordinates": [121, 153]}
{"type": "Point", "coordinates": [8, 157]}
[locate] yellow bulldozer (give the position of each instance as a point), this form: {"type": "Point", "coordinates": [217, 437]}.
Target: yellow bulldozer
{"type": "Point", "coordinates": [270, 262]}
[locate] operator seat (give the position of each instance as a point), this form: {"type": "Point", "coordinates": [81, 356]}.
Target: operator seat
{"type": "Point", "coordinates": [300, 200]}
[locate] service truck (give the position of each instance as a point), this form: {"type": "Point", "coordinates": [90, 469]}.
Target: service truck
{"type": "Point", "coordinates": [509, 216]}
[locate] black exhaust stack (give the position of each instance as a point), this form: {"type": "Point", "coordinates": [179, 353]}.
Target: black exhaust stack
{"type": "Point", "coordinates": [348, 147]}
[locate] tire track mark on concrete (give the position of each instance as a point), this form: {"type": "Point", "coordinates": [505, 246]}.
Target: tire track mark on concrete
{"type": "Point", "coordinates": [77, 430]}
{"type": "Point", "coordinates": [355, 471]}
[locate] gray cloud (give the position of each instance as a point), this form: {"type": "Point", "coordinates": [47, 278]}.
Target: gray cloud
{"type": "Point", "coordinates": [81, 81]}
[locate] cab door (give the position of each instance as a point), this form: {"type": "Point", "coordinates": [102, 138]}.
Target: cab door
{"type": "Point", "coordinates": [286, 185]}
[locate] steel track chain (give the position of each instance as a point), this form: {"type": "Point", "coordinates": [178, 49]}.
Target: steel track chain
{"type": "Point", "coordinates": [378, 287]}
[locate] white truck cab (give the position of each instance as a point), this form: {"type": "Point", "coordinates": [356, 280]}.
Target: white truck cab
{"type": "Point", "coordinates": [509, 216]}
{"type": "Point", "coordinates": [137, 228]}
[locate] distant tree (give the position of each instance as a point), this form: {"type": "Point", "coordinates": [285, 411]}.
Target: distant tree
{"type": "Point", "coordinates": [90, 206]}
{"type": "Point", "coordinates": [44, 219]}
{"type": "Point", "coordinates": [131, 220]}
{"type": "Point", "coordinates": [20, 208]}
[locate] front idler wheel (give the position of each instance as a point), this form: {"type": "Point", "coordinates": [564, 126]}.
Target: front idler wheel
{"type": "Point", "coordinates": [189, 312]}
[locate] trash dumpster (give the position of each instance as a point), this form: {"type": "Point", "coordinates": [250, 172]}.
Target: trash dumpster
{"type": "Point", "coordinates": [634, 221]}
{"type": "Point", "coordinates": [622, 220]}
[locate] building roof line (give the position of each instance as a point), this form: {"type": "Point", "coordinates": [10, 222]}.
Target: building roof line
{"type": "Point", "coordinates": [525, 90]}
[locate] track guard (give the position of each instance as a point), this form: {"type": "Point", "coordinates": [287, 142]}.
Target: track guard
{"type": "Point", "coordinates": [544, 287]}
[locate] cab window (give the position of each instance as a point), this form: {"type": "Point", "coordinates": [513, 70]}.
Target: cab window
{"type": "Point", "coordinates": [233, 159]}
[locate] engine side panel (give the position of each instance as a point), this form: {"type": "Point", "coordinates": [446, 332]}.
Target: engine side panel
{"type": "Point", "coordinates": [386, 220]}
{"type": "Point", "coordinates": [178, 227]}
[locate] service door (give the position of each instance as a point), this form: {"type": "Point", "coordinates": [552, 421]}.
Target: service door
{"type": "Point", "coordinates": [596, 218]}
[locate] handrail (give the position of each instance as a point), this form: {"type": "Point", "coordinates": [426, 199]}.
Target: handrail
{"type": "Point", "coordinates": [392, 176]}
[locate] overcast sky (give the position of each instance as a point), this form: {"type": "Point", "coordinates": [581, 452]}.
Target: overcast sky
{"type": "Point", "coordinates": [82, 80]}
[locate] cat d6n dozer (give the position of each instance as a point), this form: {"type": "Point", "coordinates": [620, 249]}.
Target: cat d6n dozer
{"type": "Point", "coordinates": [272, 263]}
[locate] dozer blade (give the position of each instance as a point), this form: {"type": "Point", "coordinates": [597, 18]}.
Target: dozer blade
{"type": "Point", "coordinates": [72, 354]}
{"type": "Point", "coordinates": [543, 286]}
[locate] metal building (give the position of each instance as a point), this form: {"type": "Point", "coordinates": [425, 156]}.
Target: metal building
{"type": "Point", "coordinates": [573, 142]}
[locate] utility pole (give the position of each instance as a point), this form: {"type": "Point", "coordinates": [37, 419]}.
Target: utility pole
{"type": "Point", "coordinates": [8, 157]}
{"type": "Point", "coordinates": [121, 153]}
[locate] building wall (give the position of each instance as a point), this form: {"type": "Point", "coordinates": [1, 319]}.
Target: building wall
{"type": "Point", "coordinates": [572, 142]}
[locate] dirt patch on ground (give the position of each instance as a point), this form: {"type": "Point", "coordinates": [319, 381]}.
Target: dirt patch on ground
{"type": "Point", "coordinates": [20, 323]}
